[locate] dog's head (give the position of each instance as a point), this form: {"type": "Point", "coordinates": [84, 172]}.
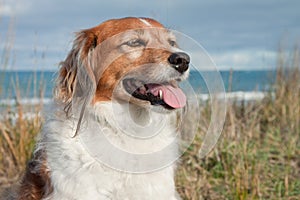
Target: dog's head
{"type": "Point", "coordinates": [133, 60]}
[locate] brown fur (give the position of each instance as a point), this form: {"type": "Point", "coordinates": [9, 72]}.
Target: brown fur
{"type": "Point", "coordinates": [36, 182]}
{"type": "Point", "coordinates": [121, 66]}
{"type": "Point", "coordinates": [84, 42]}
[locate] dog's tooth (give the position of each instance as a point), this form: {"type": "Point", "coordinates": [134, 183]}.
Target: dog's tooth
{"type": "Point", "coordinates": [142, 89]}
{"type": "Point", "coordinates": [176, 66]}
{"type": "Point", "coordinates": [160, 94]}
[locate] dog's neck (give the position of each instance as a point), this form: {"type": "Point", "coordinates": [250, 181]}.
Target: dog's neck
{"type": "Point", "coordinates": [108, 130]}
{"type": "Point", "coordinates": [140, 115]}
{"type": "Point", "coordinates": [134, 119]}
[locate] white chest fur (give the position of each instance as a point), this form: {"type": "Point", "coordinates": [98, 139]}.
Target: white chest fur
{"type": "Point", "coordinates": [76, 173]}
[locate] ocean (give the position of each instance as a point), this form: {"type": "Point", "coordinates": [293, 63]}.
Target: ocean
{"type": "Point", "coordinates": [31, 86]}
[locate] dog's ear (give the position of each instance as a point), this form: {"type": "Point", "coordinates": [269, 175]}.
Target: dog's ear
{"type": "Point", "coordinates": [76, 75]}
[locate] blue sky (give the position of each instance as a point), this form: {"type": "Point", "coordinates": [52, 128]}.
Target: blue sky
{"type": "Point", "coordinates": [237, 34]}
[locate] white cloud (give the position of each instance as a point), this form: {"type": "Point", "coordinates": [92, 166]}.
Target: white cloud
{"type": "Point", "coordinates": [241, 59]}
{"type": "Point", "coordinates": [11, 8]}
{"type": "Point", "coordinates": [6, 10]}
{"type": "Point", "coordinates": [245, 59]}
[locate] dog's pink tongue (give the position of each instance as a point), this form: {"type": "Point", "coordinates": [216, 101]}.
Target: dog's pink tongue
{"type": "Point", "coordinates": [172, 96]}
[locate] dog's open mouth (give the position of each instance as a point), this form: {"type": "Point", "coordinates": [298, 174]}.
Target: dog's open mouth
{"type": "Point", "coordinates": [168, 95]}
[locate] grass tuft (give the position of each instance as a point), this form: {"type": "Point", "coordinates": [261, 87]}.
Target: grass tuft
{"type": "Point", "coordinates": [258, 155]}
{"type": "Point", "coordinates": [17, 140]}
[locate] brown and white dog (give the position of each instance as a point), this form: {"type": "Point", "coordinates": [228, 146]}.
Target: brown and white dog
{"type": "Point", "coordinates": [119, 80]}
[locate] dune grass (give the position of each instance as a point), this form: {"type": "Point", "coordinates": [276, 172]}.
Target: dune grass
{"type": "Point", "coordinates": [257, 157]}
{"type": "Point", "coordinates": [17, 139]}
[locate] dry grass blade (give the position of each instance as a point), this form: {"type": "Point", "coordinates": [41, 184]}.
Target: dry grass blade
{"type": "Point", "coordinates": [9, 143]}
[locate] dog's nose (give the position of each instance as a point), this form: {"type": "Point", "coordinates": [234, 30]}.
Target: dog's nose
{"type": "Point", "coordinates": [180, 61]}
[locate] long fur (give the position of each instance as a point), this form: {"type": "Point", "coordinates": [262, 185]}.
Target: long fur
{"type": "Point", "coordinates": [61, 167]}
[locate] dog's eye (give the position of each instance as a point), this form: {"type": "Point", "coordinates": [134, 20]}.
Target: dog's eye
{"type": "Point", "coordinates": [136, 43]}
{"type": "Point", "coordinates": [173, 43]}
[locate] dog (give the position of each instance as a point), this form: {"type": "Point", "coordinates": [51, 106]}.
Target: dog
{"type": "Point", "coordinates": [117, 99]}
